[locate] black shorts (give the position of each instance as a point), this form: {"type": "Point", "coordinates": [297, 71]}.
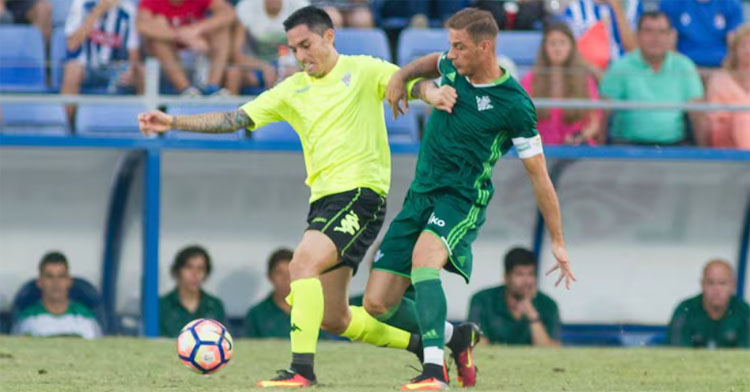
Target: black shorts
{"type": "Point", "coordinates": [351, 220]}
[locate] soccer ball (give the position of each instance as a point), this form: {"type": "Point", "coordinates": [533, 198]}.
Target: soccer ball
{"type": "Point", "coordinates": [204, 346]}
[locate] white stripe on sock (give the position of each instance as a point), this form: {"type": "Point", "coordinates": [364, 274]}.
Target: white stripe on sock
{"type": "Point", "coordinates": [448, 332]}
{"type": "Point", "coordinates": [433, 355]}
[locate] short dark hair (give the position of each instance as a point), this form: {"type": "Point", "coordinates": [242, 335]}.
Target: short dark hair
{"type": "Point", "coordinates": [53, 257]}
{"type": "Point", "coordinates": [518, 257]}
{"type": "Point", "coordinates": [653, 15]}
{"type": "Point", "coordinates": [480, 24]}
{"type": "Point", "coordinates": [186, 254]}
{"type": "Point", "coordinates": [278, 256]}
{"type": "Point", "coordinates": [314, 18]}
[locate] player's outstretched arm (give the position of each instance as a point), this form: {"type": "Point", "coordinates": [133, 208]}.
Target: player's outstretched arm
{"type": "Point", "coordinates": [423, 67]}
{"type": "Point", "coordinates": [158, 122]}
{"type": "Point", "coordinates": [546, 198]}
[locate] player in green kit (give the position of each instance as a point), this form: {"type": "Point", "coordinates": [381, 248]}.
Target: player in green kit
{"type": "Point", "coordinates": [336, 107]}
{"type": "Point", "coordinates": [447, 200]}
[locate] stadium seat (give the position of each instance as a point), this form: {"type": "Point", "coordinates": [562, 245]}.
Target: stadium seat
{"type": "Point", "coordinates": [196, 109]}
{"type": "Point", "coordinates": [60, 10]}
{"type": "Point", "coordinates": [107, 120]}
{"type": "Point", "coordinates": [21, 59]}
{"type": "Point", "coordinates": [276, 132]}
{"type": "Point", "coordinates": [404, 129]}
{"type": "Point", "coordinates": [81, 291]}
{"type": "Point", "coordinates": [371, 42]}
{"type": "Point", "coordinates": [519, 46]}
{"type": "Point", "coordinates": [57, 56]}
{"type": "Point", "coordinates": [33, 119]}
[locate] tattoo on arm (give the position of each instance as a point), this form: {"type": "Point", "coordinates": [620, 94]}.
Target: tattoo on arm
{"type": "Point", "coordinates": [213, 122]}
{"type": "Point", "coordinates": [416, 90]}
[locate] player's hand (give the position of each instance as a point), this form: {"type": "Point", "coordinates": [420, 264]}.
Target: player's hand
{"type": "Point", "coordinates": [563, 264]}
{"type": "Point", "coordinates": [395, 93]}
{"type": "Point", "coordinates": [442, 98]}
{"type": "Point", "coordinates": [154, 122]}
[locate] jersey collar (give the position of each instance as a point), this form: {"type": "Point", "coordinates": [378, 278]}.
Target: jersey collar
{"type": "Point", "coordinates": [496, 82]}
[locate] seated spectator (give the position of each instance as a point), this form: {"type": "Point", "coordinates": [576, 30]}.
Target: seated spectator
{"type": "Point", "coordinates": [716, 318]}
{"type": "Point", "coordinates": [703, 27]}
{"type": "Point", "coordinates": [270, 317]}
{"type": "Point", "coordinates": [516, 14]}
{"type": "Point", "coordinates": [55, 314]}
{"type": "Point", "coordinates": [257, 40]}
{"type": "Point", "coordinates": [101, 36]}
{"type": "Point", "coordinates": [36, 12]}
{"type": "Point", "coordinates": [618, 18]}
{"type": "Point", "coordinates": [560, 72]}
{"type": "Point", "coordinates": [517, 313]}
{"type": "Point", "coordinates": [188, 301]}
{"type": "Point", "coordinates": [199, 25]}
{"type": "Point", "coordinates": [652, 74]}
{"type": "Point", "coordinates": [731, 85]}
{"type": "Point", "coordinates": [348, 13]}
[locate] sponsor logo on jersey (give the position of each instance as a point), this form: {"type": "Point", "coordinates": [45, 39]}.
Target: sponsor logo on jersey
{"type": "Point", "coordinates": [302, 90]}
{"type": "Point", "coordinates": [349, 225]}
{"type": "Point", "coordinates": [483, 103]}
{"type": "Point", "coordinates": [434, 220]}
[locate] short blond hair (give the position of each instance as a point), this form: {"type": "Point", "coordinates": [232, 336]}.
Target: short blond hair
{"type": "Point", "coordinates": [478, 23]}
{"type": "Point", "coordinates": [730, 61]}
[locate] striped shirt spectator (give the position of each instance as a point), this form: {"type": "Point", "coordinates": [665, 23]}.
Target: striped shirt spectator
{"type": "Point", "coordinates": [581, 15]}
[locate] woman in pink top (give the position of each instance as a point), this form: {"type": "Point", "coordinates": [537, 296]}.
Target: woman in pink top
{"type": "Point", "coordinates": [731, 85]}
{"type": "Point", "coordinates": [560, 72]}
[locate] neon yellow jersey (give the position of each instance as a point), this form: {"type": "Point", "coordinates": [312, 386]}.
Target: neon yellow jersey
{"type": "Point", "coordinates": [339, 119]}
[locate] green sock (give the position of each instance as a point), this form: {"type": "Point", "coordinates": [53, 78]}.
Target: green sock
{"type": "Point", "coordinates": [402, 316]}
{"type": "Point", "coordinates": [431, 308]}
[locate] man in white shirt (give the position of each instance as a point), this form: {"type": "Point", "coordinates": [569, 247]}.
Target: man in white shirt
{"type": "Point", "coordinates": [55, 314]}
{"type": "Point", "coordinates": [256, 41]}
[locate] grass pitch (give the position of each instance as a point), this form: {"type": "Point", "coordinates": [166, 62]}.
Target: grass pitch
{"type": "Point", "coordinates": [134, 365]}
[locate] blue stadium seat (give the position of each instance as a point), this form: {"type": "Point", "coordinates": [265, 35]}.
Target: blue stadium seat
{"type": "Point", "coordinates": [57, 56]}
{"type": "Point", "coordinates": [107, 120]}
{"type": "Point", "coordinates": [33, 119]}
{"type": "Point", "coordinates": [81, 291]}
{"type": "Point", "coordinates": [196, 109]}
{"type": "Point", "coordinates": [371, 42]}
{"type": "Point", "coordinates": [60, 10]}
{"type": "Point", "coordinates": [404, 129]}
{"type": "Point", "coordinates": [276, 132]}
{"type": "Point", "coordinates": [519, 46]}
{"type": "Point", "coordinates": [21, 59]}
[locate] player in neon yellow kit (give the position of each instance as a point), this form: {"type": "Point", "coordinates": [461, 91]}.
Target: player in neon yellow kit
{"type": "Point", "coordinates": [336, 107]}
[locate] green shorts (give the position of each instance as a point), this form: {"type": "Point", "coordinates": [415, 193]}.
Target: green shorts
{"type": "Point", "coordinates": [452, 218]}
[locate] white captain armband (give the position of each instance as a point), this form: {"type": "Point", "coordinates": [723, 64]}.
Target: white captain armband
{"type": "Point", "coordinates": [528, 147]}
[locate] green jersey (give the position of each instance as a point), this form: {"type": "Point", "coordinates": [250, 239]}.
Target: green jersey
{"type": "Point", "coordinates": [173, 315]}
{"type": "Point", "coordinates": [459, 149]}
{"type": "Point", "coordinates": [77, 320]}
{"type": "Point", "coordinates": [490, 310]}
{"type": "Point", "coordinates": [692, 327]}
{"type": "Point", "coordinates": [267, 320]}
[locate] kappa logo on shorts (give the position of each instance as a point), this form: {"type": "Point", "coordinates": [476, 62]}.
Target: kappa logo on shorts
{"type": "Point", "coordinates": [434, 220]}
{"type": "Point", "coordinates": [349, 225]}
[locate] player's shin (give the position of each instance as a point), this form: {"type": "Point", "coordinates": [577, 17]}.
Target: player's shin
{"type": "Point", "coordinates": [306, 299]}
{"type": "Point", "coordinates": [431, 312]}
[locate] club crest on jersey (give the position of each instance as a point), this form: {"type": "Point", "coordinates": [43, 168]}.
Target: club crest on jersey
{"type": "Point", "coordinates": [483, 103]}
{"type": "Point", "coordinates": [347, 79]}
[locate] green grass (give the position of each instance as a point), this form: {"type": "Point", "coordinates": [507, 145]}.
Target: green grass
{"type": "Point", "coordinates": [119, 364]}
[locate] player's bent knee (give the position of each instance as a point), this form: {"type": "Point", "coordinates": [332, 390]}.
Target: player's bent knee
{"type": "Point", "coordinates": [336, 324]}
{"type": "Point", "coordinates": [375, 306]}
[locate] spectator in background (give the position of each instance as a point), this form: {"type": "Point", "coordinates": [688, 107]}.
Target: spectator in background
{"type": "Point", "coordinates": [609, 20]}
{"type": "Point", "coordinates": [560, 72]}
{"type": "Point", "coordinates": [652, 74]}
{"type": "Point", "coordinates": [257, 40]}
{"type": "Point", "coordinates": [517, 313]}
{"type": "Point", "coordinates": [516, 14]}
{"type": "Point", "coordinates": [188, 301]}
{"type": "Point", "coordinates": [348, 13]}
{"type": "Point", "coordinates": [36, 12]}
{"type": "Point", "coordinates": [270, 317]}
{"type": "Point", "coordinates": [703, 27]}
{"type": "Point", "coordinates": [731, 85]}
{"type": "Point", "coordinates": [716, 318]}
{"type": "Point", "coordinates": [101, 37]}
{"type": "Point", "coordinates": [55, 314]}
{"type": "Point", "coordinates": [199, 25]}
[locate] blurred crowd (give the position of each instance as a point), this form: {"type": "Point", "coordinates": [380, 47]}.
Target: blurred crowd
{"type": "Point", "coordinates": [645, 51]}
{"type": "Point", "coordinates": [514, 313]}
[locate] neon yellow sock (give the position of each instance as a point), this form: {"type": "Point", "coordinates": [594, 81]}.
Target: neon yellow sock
{"type": "Point", "coordinates": [306, 299]}
{"type": "Point", "coordinates": [368, 329]}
